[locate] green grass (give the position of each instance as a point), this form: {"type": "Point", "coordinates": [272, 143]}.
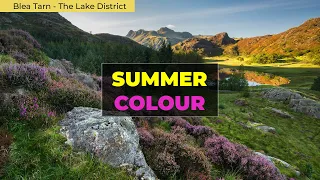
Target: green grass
{"type": "Point", "coordinates": [301, 75]}
{"type": "Point", "coordinates": [42, 154]}
{"type": "Point", "coordinates": [295, 141]}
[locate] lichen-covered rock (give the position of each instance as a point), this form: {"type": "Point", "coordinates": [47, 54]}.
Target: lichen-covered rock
{"type": "Point", "coordinates": [261, 127]}
{"type": "Point", "coordinates": [306, 106]}
{"type": "Point", "coordinates": [295, 100]}
{"type": "Point", "coordinates": [87, 80]}
{"type": "Point", "coordinates": [114, 140]}
{"type": "Point", "coordinates": [59, 65]}
{"type": "Point", "coordinates": [279, 94]}
{"type": "Point", "coordinates": [281, 113]}
{"type": "Point", "coordinates": [241, 102]}
{"type": "Point", "coordinates": [67, 69]}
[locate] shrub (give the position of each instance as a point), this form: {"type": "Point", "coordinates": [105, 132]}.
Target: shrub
{"type": "Point", "coordinates": [313, 57]}
{"type": "Point", "coordinates": [245, 93]}
{"type": "Point", "coordinates": [165, 164]}
{"type": "Point", "coordinates": [234, 156]}
{"type": "Point", "coordinates": [19, 57]}
{"type": "Point", "coordinates": [146, 138]}
{"type": "Point", "coordinates": [31, 76]}
{"type": "Point", "coordinates": [31, 109]}
{"type": "Point", "coordinates": [240, 59]}
{"type": "Point", "coordinates": [6, 59]}
{"type": "Point", "coordinates": [170, 155]}
{"type": "Point", "coordinates": [265, 58]}
{"type": "Point", "coordinates": [257, 167]}
{"type": "Point", "coordinates": [26, 36]}
{"type": "Point", "coordinates": [39, 57]}
{"type": "Point", "coordinates": [308, 170]}
{"type": "Point", "coordinates": [224, 153]}
{"type": "Point", "coordinates": [199, 132]}
{"type": "Point", "coordinates": [233, 83]}
{"type": "Point", "coordinates": [65, 94]}
{"type": "Point", "coordinates": [316, 84]}
{"type": "Point", "coordinates": [21, 46]}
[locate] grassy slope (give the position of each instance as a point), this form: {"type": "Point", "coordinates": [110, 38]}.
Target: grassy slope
{"type": "Point", "coordinates": [40, 153]}
{"type": "Point", "coordinates": [292, 143]}
{"type": "Point", "coordinates": [296, 141]}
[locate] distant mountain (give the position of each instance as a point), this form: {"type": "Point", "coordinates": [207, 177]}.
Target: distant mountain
{"type": "Point", "coordinates": [205, 45]}
{"type": "Point", "coordinates": [154, 39]}
{"type": "Point", "coordinates": [295, 41]}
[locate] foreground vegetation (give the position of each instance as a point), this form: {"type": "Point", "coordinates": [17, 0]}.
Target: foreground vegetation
{"type": "Point", "coordinates": [296, 141]}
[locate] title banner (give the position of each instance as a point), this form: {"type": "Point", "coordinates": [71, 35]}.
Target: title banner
{"type": "Point", "coordinates": [160, 89]}
{"type": "Point", "coordinates": [68, 6]}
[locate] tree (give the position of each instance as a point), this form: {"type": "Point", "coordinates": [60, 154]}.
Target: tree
{"type": "Point", "coordinates": [316, 84]}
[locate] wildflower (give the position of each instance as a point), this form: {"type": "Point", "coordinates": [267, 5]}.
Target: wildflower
{"type": "Point", "coordinates": [51, 114]}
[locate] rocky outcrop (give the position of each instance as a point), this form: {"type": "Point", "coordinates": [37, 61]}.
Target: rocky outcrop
{"type": "Point", "coordinates": [155, 39]}
{"type": "Point", "coordinates": [114, 140]}
{"type": "Point", "coordinates": [67, 69]}
{"type": "Point", "coordinates": [205, 45]}
{"type": "Point", "coordinates": [295, 101]}
{"type": "Point", "coordinates": [279, 94]}
{"type": "Point", "coordinates": [306, 106]}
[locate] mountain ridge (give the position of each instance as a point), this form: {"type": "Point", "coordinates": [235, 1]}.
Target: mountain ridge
{"type": "Point", "coordinates": [155, 39]}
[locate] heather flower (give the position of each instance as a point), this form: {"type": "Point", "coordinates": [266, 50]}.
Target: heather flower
{"type": "Point", "coordinates": [170, 154]}
{"type": "Point", "coordinates": [146, 138]}
{"type": "Point", "coordinates": [196, 131]}
{"type": "Point", "coordinates": [26, 36]}
{"type": "Point", "coordinates": [23, 111]}
{"type": "Point", "coordinates": [67, 93]}
{"type": "Point", "coordinates": [51, 114]}
{"type": "Point", "coordinates": [20, 57]}
{"type": "Point", "coordinates": [31, 76]}
{"type": "Point", "coordinates": [231, 156]}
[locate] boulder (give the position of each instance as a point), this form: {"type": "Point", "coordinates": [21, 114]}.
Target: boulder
{"type": "Point", "coordinates": [281, 113]}
{"type": "Point", "coordinates": [279, 94]}
{"type": "Point", "coordinates": [114, 140]}
{"type": "Point", "coordinates": [241, 102]}
{"type": "Point", "coordinates": [58, 64]}
{"type": "Point", "coordinates": [261, 127]}
{"type": "Point", "coordinates": [306, 106]}
{"type": "Point", "coordinates": [87, 80]}
{"type": "Point", "coordinates": [7, 99]}
{"type": "Point", "coordinates": [67, 69]}
{"type": "Point", "coordinates": [295, 100]}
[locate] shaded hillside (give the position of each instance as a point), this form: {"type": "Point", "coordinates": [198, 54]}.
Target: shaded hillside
{"type": "Point", "coordinates": [205, 45]}
{"type": "Point", "coordinates": [155, 39]}
{"type": "Point", "coordinates": [295, 41]}
{"type": "Point", "coordinates": [44, 26]}
{"type": "Point", "coordinates": [115, 38]}
{"type": "Point", "coordinates": [60, 39]}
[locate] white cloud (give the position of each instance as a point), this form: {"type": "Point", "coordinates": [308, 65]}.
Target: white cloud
{"type": "Point", "coordinates": [170, 26]}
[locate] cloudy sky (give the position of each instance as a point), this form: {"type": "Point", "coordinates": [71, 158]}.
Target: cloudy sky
{"type": "Point", "coordinates": [206, 17]}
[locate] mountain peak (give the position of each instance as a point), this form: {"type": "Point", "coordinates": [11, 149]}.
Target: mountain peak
{"type": "Point", "coordinates": [154, 39]}
{"type": "Point", "coordinates": [165, 30]}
